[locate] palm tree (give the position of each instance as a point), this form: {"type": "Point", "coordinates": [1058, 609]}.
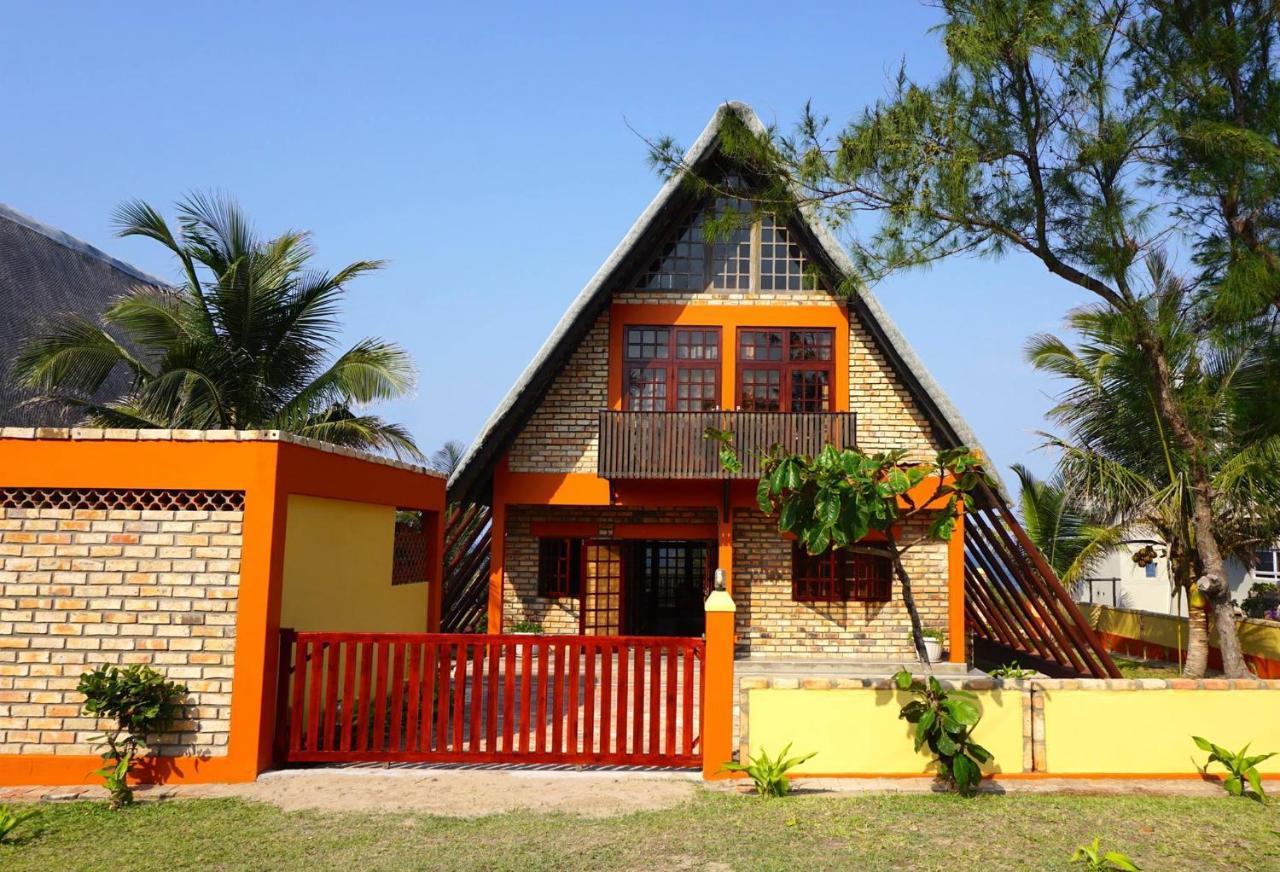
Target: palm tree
{"type": "Point", "coordinates": [447, 457]}
{"type": "Point", "coordinates": [1067, 531]}
{"type": "Point", "coordinates": [1118, 456]}
{"type": "Point", "coordinates": [243, 342]}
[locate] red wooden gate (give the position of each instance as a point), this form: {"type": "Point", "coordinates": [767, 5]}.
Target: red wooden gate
{"type": "Point", "coordinates": [455, 698]}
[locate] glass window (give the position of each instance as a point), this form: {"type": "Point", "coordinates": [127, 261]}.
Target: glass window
{"type": "Point", "coordinates": [802, 360]}
{"type": "Point", "coordinates": [559, 563]}
{"type": "Point", "coordinates": [783, 265]}
{"type": "Point", "coordinates": [672, 369]}
{"type": "Point", "coordinates": [839, 575]}
{"type": "Point", "coordinates": [1266, 563]}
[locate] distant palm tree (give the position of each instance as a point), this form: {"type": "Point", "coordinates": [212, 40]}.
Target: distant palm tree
{"type": "Point", "coordinates": [1118, 457]}
{"type": "Point", "coordinates": [447, 457]}
{"type": "Point", "coordinates": [1071, 536]}
{"type": "Point", "coordinates": [244, 342]}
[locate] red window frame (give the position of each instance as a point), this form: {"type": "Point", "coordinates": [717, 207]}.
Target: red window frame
{"type": "Point", "coordinates": [688, 375]}
{"type": "Point", "coordinates": [785, 361]}
{"type": "Point", "coordinates": [559, 567]}
{"type": "Point", "coordinates": [839, 575]}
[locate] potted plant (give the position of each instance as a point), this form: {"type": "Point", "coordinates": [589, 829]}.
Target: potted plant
{"type": "Point", "coordinates": [932, 644]}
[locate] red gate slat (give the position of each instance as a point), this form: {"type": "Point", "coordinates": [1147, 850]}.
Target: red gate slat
{"type": "Point", "coordinates": [299, 689]}
{"type": "Point", "coordinates": [415, 695]}
{"type": "Point", "coordinates": [620, 743]}
{"type": "Point", "coordinates": [348, 695]}
{"type": "Point", "coordinates": [557, 702]}
{"type": "Point", "coordinates": [637, 706]}
{"type": "Point", "coordinates": [477, 696]}
{"type": "Point", "coordinates": [508, 697]}
{"type": "Point", "coordinates": [330, 697]}
{"type": "Point", "coordinates": [399, 650]}
{"type": "Point", "coordinates": [313, 704]}
{"type": "Point", "coordinates": [572, 672]}
{"type": "Point", "coordinates": [590, 649]}
{"type": "Point", "coordinates": [686, 746]}
{"type": "Point", "coordinates": [361, 708]}
{"type": "Point", "coordinates": [669, 713]}
{"type": "Point", "coordinates": [443, 653]}
{"type": "Point", "coordinates": [541, 689]}
{"type": "Point", "coordinates": [526, 695]}
{"type": "Point", "coordinates": [491, 704]}
{"type": "Point", "coordinates": [383, 665]}
{"type": "Point", "coordinates": [459, 694]}
{"type": "Point", "coordinates": [655, 705]}
{"type": "Point", "coordinates": [606, 695]}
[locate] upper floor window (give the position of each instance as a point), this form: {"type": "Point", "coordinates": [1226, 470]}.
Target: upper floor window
{"type": "Point", "coordinates": [763, 255]}
{"type": "Point", "coordinates": [1266, 563]}
{"type": "Point", "coordinates": [785, 370]}
{"type": "Point", "coordinates": [672, 369]}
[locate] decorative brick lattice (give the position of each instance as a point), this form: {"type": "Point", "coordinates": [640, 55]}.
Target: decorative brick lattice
{"type": "Point", "coordinates": [107, 500]}
{"type": "Point", "coordinates": [409, 559]}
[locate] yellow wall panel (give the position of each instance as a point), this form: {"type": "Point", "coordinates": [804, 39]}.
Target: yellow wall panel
{"type": "Point", "coordinates": [857, 731]}
{"type": "Point", "coordinates": [337, 570]}
{"type": "Point", "coordinates": [1149, 731]}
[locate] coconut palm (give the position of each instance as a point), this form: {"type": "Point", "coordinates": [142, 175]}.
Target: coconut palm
{"type": "Point", "coordinates": [1117, 455]}
{"type": "Point", "coordinates": [245, 341]}
{"type": "Point", "coordinates": [1068, 532]}
{"type": "Point", "coordinates": [447, 457]}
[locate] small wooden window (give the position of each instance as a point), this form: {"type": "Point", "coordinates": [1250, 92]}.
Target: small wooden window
{"type": "Point", "coordinates": [672, 369]}
{"type": "Point", "coordinates": [839, 575]}
{"type": "Point", "coordinates": [559, 567]}
{"type": "Point", "coordinates": [785, 370]}
{"type": "Point", "coordinates": [410, 549]}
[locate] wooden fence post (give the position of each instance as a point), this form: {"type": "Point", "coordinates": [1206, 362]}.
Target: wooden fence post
{"type": "Point", "coordinates": [717, 700]}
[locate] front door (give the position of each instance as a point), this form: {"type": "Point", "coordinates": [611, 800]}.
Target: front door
{"type": "Point", "coordinates": [603, 568]}
{"type": "Point", "coordinates": [669, 580]}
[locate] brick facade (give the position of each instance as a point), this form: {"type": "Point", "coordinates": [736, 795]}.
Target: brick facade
{"type": "Point", "coordinates": [520, 600]}
{"type": "Point", "coordinates": [770, 623]}
{"type": "Point", "coordinates": [83, 587]}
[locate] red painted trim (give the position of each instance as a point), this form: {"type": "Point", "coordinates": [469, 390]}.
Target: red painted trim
{"type": "Point", "coordinates": [664, 531]}
{"type": "Point", "coordinates": [563, 530]}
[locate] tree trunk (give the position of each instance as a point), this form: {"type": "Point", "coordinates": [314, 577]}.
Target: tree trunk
{"type": "Point", "coordinates": [917, 630]}
{"type": "Point", "coordinates": [1197, 638]}
{"type": "Point", "coordinates": [1213, 574]}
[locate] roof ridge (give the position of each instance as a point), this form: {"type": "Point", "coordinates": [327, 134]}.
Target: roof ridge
{"type": "Point", "coordinates": [66, 240]}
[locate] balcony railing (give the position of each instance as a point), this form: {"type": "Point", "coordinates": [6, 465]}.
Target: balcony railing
{"type": "Point", "coordinates": [671, 444]}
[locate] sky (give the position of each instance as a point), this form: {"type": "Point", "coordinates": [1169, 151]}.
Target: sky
{"type": "Point", "coordinates": [492, 154]}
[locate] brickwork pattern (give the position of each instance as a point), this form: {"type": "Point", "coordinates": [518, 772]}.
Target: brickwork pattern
{"type": "Point", "coordinates": [520, 600]}
{"type": "Point", "coordinates": [888, 417]}
{"type": "Point", "coordinates": [83, 587]}
{"type": "Point", "coordinates": [770, 623]}
{"type": "Point", "coordinates": [563, 434]}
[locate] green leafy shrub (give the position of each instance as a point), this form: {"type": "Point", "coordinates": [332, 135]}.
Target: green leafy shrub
{"type": "Point", "coordinates": [945, 720]}
{"type": "Point", "coordinates": [1093, 858]}
{"type": "Point", "coordinates": [526, 627]}
{"type": "Point", "coordinates": [142, 704]}
{"type": "Point", "coordinates": [769, 774]}
{"type": "Point", "coordinates": [932, 633]}
{"type": "Point", "coordinates": [1243, 778]}
{"type": "Point", "coordinates": [10, 820]}
{"type": "Point", "coordinates": [1263, 597]}
{"type": "Point", "coordinates": [1012, 671]}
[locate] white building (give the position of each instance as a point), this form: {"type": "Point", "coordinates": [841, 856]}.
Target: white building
{"type": "Point", "coordinates": [1117, 581]}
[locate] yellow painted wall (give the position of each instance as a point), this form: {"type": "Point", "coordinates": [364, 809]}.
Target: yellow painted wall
{"type": "Point", "coordinates": [857, 731]}
{"type": "Point", "coordinates": [1260, 638]}
{"type": "Point", "coordinates": [337, 570]}
{"type": "Point", "coordinates": [1149, 731]}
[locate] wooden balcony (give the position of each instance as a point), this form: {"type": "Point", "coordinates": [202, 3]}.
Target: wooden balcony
{"type": "Point", "coordinates": [667, 445]}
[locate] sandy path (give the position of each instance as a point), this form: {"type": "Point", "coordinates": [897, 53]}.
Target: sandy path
{"type": "Point", "coordinates": [465, 792]}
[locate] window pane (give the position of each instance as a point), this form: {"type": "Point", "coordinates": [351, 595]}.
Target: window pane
{"type": "Point", "coordinates": [681, 265]}
{"type": "Point", "coordinates": [695, 389]}
{"type": "Point", "coordinates": [810, 391]}
{"type": "Point", "coordinates": [810, 344]}
{"type": "Point", "coordinates": [760, 344]}
{"type": "Point", "coordinates": [697, 344]}
{"type": "Point", "coordinates": [783, 265]}
{"type": "Point", "coordinates": [761, 390]}
{"type": "Point", "coordinates": [648, 343]}
{"type": "Point", "coordinates": [647, 389]}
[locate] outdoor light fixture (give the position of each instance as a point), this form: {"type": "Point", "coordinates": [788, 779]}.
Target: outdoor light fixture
{"type": "Point", "coordinates": [718, 580]}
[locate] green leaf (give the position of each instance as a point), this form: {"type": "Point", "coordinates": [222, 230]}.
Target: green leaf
{"type": "Point", "coordinates": [762, 496]}
{"type": "Point", "coordinates": [965, 772]}
{"type": "Point", "coordinates": [903, 679]}
{"type": "Point", "coordinates": [1234, 786]}
{"type": "Point", "coordinates": [964, 712]}
{"type": "Point", "coordinates": [1203, 744]}
{"type": "Point", "coordinates": [1120, 861]}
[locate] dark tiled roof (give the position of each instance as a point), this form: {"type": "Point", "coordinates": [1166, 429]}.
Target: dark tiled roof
{"type": "Point", "coordinates": [44, 273]}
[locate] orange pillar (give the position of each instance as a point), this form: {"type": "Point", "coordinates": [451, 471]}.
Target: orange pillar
{"type": "Point", "coordinates": [724, 551]}
{"type": "Point", "coordinates": [497, 549]}
{"type": "Point", "coordinates": [718, 686]}
{"type": "Point", "coordinates": [435, 522]}
{"type": "Point", "coordinates": [955, 590]}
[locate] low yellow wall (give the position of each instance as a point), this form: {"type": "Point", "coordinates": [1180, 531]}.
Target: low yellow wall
{"type": "Point", "coordinates": [857, 731]}
{"type": "Point", "coordinates": [1259, 638]}
{"type": "Point", "coordinates": [1149, 731]}
{"type": "Point", "coordinates": [337, 570]}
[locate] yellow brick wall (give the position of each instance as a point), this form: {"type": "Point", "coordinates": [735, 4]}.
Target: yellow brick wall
{"type": "Point", "coordinates": [770, 623]}
{"type": "Point", "coordinates": [79, 588]}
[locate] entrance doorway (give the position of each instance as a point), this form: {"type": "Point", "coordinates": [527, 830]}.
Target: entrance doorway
{"type": "Point", "coordinates": [649, 587]}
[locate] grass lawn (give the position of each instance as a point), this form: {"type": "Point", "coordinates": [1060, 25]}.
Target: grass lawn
{"type": "Point", "coordinates": [714, 830]}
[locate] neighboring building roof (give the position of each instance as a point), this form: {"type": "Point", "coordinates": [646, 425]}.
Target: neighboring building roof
{"type": "Point", "coordinates": [475, 469]}
{"type": "Point", "coordinates": [44, 273]}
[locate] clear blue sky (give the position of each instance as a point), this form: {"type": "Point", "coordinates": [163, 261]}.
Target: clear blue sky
{"type": "Point", "coordinates": [483, 150]}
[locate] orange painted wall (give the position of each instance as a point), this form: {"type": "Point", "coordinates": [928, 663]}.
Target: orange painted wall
{"type": "Point", "coordinates": [267, 472]}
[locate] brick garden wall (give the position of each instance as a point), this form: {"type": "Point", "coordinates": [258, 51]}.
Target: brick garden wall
{"type": "Point", "coordinates": [770, 623]}
{"type": "Point", "coordinates": [520, 600]}
{"type": "Point", "coordinates": [82, 587]}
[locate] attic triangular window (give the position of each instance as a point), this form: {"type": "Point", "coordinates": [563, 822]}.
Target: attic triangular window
{"type": "Point", "coordinates": [755, 256]}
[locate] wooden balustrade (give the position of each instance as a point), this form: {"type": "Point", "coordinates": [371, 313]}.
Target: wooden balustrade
{"type": "Point", "coordinates": [672, 445]}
